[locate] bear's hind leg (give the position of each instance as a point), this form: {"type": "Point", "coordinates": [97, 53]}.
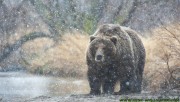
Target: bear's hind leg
{"type": "Point", "coordinates": [124, 87]}
{"type": "Point", "coordinates": [130, 86]}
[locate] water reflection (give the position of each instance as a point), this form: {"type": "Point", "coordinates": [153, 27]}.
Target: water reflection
{"type": "Point", "coordinates": [18, 84]}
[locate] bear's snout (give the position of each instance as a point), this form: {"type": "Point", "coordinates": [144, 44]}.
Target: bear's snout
{"type": "Point", "coordinates": [99, 58]}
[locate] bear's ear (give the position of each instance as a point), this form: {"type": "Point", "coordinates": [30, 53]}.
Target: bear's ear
{"type": "Point", "coordinates": [114, 39]}
{"type": "Point", "coordinates": [92, 38]}
{"type": "Point", "coordinates": [117, 28]}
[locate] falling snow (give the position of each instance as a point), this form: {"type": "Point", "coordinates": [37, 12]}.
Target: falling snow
{"type": "Point", "coordinates": [43, 45]}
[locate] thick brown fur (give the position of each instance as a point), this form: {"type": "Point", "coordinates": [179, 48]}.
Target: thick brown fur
{"type": "Point", "coordinates": [115, 53]}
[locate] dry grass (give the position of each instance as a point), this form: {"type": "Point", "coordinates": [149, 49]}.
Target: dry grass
{"type": "Point", "coordinates": [162, 63]}
{"type": "Point", "coordinates": [66, 58]}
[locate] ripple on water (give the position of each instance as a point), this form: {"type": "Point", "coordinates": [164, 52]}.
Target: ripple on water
{"type": "Point", "coordinates": [19, 84]}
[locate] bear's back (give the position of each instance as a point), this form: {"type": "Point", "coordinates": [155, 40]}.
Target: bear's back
{"type": "Point", "coordinates": [108, 30]}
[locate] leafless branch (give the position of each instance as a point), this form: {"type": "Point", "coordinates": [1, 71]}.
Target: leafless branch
{"type": "Point", "coordinates": [173, 35]}
{"type": "Point", "coordinates": [8, 49]}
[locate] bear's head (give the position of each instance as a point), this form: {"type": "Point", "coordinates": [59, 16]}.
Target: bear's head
{"type": "Point", "coordinates": [103, 49]}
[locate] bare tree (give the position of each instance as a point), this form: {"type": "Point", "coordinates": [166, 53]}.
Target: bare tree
{"type": "Point", "coordinates": [9, 21]}
{"type": "Point", "coordinates": [170, 40]}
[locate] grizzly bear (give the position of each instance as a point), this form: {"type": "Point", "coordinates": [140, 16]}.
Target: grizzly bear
{"type": "Point", "coordinates": [115, 53]}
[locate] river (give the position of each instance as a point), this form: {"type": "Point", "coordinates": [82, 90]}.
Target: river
{"type": "Point", "coordinates": [21, 85]}
{"type": "Point", "coordinates": [24, 87]}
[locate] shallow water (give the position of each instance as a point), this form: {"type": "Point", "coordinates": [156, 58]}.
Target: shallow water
{"type": "Point", "coordinates": [22, 85]}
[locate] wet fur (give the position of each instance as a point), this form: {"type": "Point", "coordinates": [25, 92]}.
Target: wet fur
{"type": "Point", "coordinates": [126, 65]}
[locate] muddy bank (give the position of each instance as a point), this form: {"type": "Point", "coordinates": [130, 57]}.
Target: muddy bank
{"type": "Point", "coordinates": [174, 94]}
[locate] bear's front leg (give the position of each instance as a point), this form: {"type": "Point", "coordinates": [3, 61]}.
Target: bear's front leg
{"type": "Point", "coordinates": [109, 80]}
{"type": "Point", "coordinates": [108, 85]}
{"type": "Point", "coordinates": [95, 84]}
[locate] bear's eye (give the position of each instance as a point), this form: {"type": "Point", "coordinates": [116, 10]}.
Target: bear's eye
{"type": "Point", "coordinates": [103, 48]}
{"type": "Point", "coordinates": [96, 46]}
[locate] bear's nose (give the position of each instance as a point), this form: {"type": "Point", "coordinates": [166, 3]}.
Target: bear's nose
{"type": "Point", "coordinates": [99, 57]}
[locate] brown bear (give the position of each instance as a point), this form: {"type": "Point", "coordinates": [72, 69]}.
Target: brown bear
{"type": "Point", "coordinates": [115, 53]}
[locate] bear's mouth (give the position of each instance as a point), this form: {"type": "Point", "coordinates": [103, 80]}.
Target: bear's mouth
{"type": "Point", "coordinates": [99, 62]}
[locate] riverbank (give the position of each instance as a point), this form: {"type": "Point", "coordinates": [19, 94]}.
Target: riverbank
{"type": "Point", "coordinates": [173, 96]}
{"type": "Point", "coordinates": [25, 87]}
